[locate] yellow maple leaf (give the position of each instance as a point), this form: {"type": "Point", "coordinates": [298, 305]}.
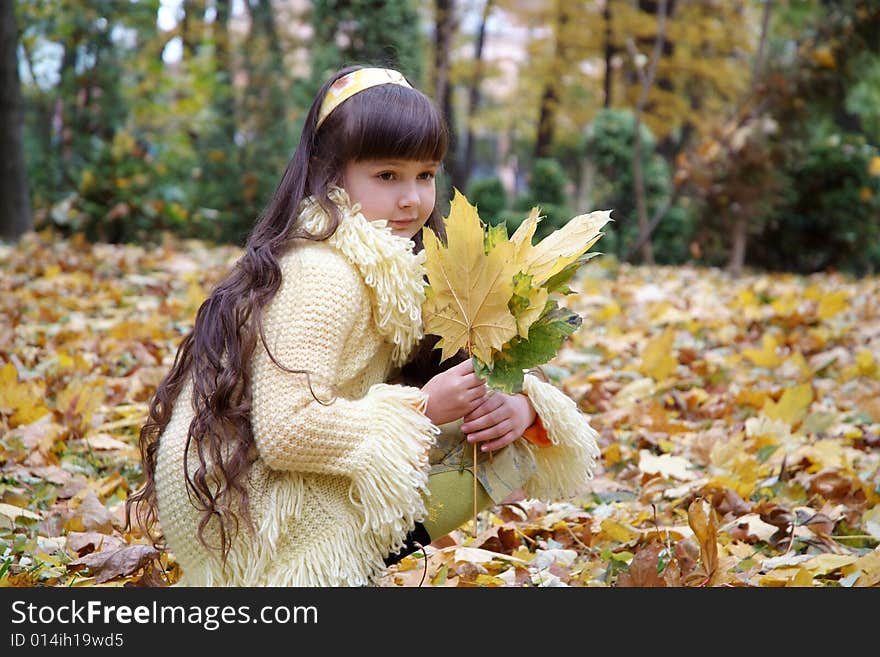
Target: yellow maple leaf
{"type": "Point", "coordinates": [868, 568]}
{"type": "Point", "coordinates": [866, 363]}
{"type": "Point", "coordinates": [825, 454]}
{"type": "Point", "coordinates": [792, 406]}
{"type": "Point", "coordinates": [560, 248]}
{"type": "Point", "coordinates": [80, 400]}
{"type": "Point", "coordinates": [467, 300]}
{"type": "Point", "coordinates": [22, 401]}
{"type": "Point", "coordinates": [831, 304]}
{"type": "Point", "coordinates": [799, 364]}
{"type": "Point", "coordinates": [657, 359]}
{"type": "Point", "coordinates": [616, 531]}
{"type": "Point", "coordinates": [823, 564]}
{"type": "Point", "coordinates": [537, 297]}
{"type": "Point", "coordinates": [608, 311]}
{"type": "Point", "coordinates": [801, 579]}
{"type": "Point", "coordinates": [766, 356]}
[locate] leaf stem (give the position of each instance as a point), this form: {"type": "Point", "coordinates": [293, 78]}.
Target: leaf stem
{"type": "Point", "coordinates": [475, 490]}
{"type": "Point", "coordinates": [470, 352]}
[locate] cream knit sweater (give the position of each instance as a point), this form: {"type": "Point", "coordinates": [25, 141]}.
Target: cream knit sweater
{"type": "Point", "coordinates": [337, 485]}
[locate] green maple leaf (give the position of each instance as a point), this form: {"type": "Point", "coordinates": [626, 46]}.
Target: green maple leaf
{"type": "Point", "coordinates": [558, 283]}
{"type": "Point", "coordinates": [546, 335]}
{"type": "Point", "coordinates": [519, 302]}
{"type": "Point", "coordinates": [495, 235]}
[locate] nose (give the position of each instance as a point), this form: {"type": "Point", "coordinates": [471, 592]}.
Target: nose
{"type": "Point", "coordinates": [409, 196]}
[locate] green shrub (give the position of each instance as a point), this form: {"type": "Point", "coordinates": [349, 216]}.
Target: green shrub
{"type": "Point", "coordinates": [608, 144]}
{"type": "Point", "coordinates": [546, 190]}
{"type": "Point", "coordinates": [830, 217]}
{"type": "Point", "coordinates": [489, 196]}
{"type": "Point", "coordinates": [547, 182]}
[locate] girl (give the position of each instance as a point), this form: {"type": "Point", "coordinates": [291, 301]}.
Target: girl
{"type": "Point", "coordinates": [277, 450]}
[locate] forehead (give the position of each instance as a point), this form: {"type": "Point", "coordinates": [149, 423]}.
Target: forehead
{"type": "Point", "coordinates": [397, 162]}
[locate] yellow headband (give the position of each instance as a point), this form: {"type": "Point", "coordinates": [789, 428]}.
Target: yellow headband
{"type": "Point", "coordinates": [350, 84]}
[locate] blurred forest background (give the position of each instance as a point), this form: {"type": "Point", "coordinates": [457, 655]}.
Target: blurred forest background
{"type": "Point", "coordinates": [728, 133]}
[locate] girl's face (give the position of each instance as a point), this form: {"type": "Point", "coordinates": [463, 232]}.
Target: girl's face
{"type": "Point", "coordinates": [401, 191]}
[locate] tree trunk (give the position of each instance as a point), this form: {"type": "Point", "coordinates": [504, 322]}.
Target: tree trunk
{"type": "Point", "coordinates": [261, 11]}
{"type": "Point", "coordinates": [444, 28]}
{"type": "Point", "coordinates": [639, 183]}
{"type": "Point", "coordinates": [610, 51]}
{"type": "Point", "coordinates": [738, 245]}
{"type": "Point", "coordinates": [224, 98]}
{"type": "Point", "coordinates": [15, 210]}
{"type": "Point", "coordinates": [550, 97]}
{"type": "Point", "coordinates": [740, 232]}
{"type": "Point", "coordinates": [647, 80]}
{"type": "Point", "coordinates": [263, 82]}
{"type": "Point", "coordinates": [474, 97]}
{"type": "Point", "coordinates": [737, 259]}
{"type": "Point", "coordinates": [66, 111]}
{"type": "Point", "coordinates": [192, 27]}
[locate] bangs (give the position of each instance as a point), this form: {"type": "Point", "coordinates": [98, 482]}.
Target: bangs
{"type": "Point", "coordinates": [393, 122]}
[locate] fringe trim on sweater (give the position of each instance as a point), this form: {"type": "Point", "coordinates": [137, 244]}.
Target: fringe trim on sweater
{"type": "Point", "coordinates": [394, 274]}
{"type": "Point", "coordinates": [565, 467]}
{"type": "Point", "coordinates": [348, 557]}
{"type": "Point", "coordinates": [386, 491]}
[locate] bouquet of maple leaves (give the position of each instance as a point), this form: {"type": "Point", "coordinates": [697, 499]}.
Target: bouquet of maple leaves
{"type": "Point", "coordinates": [491, 294]}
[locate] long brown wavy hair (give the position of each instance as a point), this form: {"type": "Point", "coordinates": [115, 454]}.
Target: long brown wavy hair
{"type": "Point", "coordinates": [388, 121]}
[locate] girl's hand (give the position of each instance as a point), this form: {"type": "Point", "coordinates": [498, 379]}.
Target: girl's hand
{"type": "Point", "coordinates": [499, 420]}
{"type": "Point", "coordinates": [454, 393]}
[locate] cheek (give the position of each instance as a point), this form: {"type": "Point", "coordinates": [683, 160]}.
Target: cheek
{"type": "Point", "coordinates": [427, 200]}
{"type": "Point", "coordinates": [369, 198]}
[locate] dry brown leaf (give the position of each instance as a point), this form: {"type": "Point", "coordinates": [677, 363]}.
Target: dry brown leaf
{"type": "Point", "coordinates": [90, 515]}
{"type": "Point", "coordinates": [701, 518]}
{"type": "Point", "coordinates": [82, 543]}
{"type": "Point", "coordinates": [643, 569]}
{"type": "Point", "coordinates": [108, 564]}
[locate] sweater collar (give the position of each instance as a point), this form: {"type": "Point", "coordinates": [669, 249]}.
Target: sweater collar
{"type": "Point", "coordinates": [394, 275]}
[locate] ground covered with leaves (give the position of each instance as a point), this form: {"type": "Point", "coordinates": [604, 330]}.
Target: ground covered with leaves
{"type": "Point", "coordinates": [739, 423]}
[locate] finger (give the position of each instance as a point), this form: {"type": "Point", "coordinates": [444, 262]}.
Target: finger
{"type": "Point", "coordinates": [464, 367]}
{"type": "Point", "coordinates": [490, 433]}
{"type": "Point", "coordinates": [490, 409]}
{"type": "Point", "coordinates": [472, 396]}
{"type": "Point", "coordinates": [473, 381]}
{"type": "Point", "coordinates": [485, 393]}
{"type": "Point", "coordinates": [477, 423]}
{"type": "Point", "coordinates": [482, 415]}
{"type": "Point", "coordinates": [504, 441]}
{"type": "Point", "coordinates": [473, 385]}
{"type": "Point", "coordinates": [472, 411]}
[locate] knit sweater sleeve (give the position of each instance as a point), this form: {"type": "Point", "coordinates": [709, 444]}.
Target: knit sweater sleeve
{"type": "Point", "coordinates": [566, 465]}
{"type": "Point", "coordinates": [380, 441]}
